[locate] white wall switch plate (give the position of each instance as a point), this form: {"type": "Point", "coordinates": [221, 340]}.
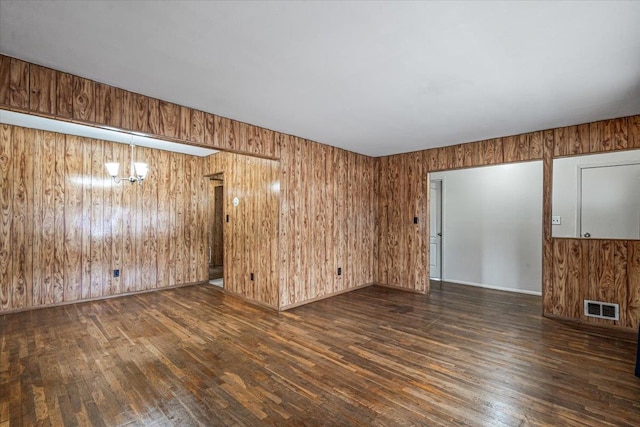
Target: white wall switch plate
{"type": "Point", "coordinates": [556, 220]}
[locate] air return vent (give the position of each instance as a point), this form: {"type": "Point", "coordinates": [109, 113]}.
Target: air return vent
{"type": "Point", "coordinates": [601, 310]}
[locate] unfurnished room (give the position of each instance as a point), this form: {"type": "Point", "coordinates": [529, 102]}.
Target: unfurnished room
{"type": "Point", "coordinates": [319, 213]}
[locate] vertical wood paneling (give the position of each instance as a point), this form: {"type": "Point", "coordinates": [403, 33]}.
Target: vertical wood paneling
{"type": "Point", "coordinates": [197, 127]}
{"type": "Point", "coordinates": [6, 213]}
{"type": "Point", "coordinates": [633, 287]}
{"type": "Point", "coordinates": [98, 234]}
{"type": "Point", "coordinates": [46, 165]}
{"type": "Point", "coordinates": [536, 143]}
{"type": "Point", "coordinates": [561, 146]}
{"type": "Point", "coordinates": [22, 229]}
{"type": "Point", "coordinates": [37, 237]}
{"type": "Point", "coordinates": [578, 139]}
{"type": "Point", "coordinates": [108, 105]}
{"type": "Point", "coordinates": [634, 132]}
{"type": "Point", "coordinates": [620, 279]}
{"type": "Point", "coordinates": [59, 199]}
{"type": "Point", "coordinates": [72, 220]}
{"type": "Point", "coordinates": [547, 246]}
{"type": "Point", "coordinates": [5, 79]}
{"type": "Point", "coordinates": [620, 133]}
{"type": "Point", "coordinates": [64, 95]}
{"type": "Point", "coordinates": [42, 85]}
{"type": "Point", "coordinates": [153, 116]}
{"type": "Point", "coordinates": [209, 129]}
{"type": "Point", "coordinates": [84, 107]}
{"type": "Point", "coordinates": [85, 186]}
{"type": "Point", "coordinates": [19, 84]}
{"type": "Point", "coordinates": [163, 174]}
{"type": "Point", "coordinates": [184, 131]}
{"type": "Point", "coordinates": [169, 116]}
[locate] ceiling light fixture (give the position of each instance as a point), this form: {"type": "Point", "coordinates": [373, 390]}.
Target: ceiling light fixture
{"type": "Point", "coordinates": [138, 171]}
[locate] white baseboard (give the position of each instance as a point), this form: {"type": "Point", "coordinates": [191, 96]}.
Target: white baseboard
{"type": "Point", "coordinates": [497, 288]}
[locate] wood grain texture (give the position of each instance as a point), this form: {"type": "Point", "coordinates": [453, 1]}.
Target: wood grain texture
{"type": "Point", "coordinates": [548, 138]}
{"type": "Point", "coordinates": [5, 79]}
{"type": "Point", "coordinates": [108, 105]}
{"type": "Point", "coordinates": [403, 250]}
{"type": "Point", "coordinates": [634, 132]}
{"type": "Point", "coordinates": [42, 86]}
{"type": "Point", "coordinates": [19, 84]}
{"type": "Point", "coordinates": [65, 227]}
{"type": "Point", "coordinates": [252, 230]}
{"type": "Point", "coordinates": [6, 215]}
{"type": "Point", "coordinates": [64, 95]}
{"type": "Point", "coordinates": [370, 357]}
{"type": "Point", "coordinates": [84, 107]}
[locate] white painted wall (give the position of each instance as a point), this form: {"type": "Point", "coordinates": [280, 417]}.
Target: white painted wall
{"type": "Point", "coordinates": [565, 187]}
{"type": "Point", "coordinates": [492, 230]}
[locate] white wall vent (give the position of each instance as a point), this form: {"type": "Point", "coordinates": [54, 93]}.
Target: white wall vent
{"type": "Point", "coordinates": [601, 310]}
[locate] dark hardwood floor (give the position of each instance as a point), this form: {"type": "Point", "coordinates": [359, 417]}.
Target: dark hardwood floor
{"type": "Point", "coordinates": [197, 356]}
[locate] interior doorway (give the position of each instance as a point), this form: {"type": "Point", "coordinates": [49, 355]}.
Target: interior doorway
{"type": "Point", "coordinates": [435, 230]}
{"type": "Point", "coordinates": [216, 237]}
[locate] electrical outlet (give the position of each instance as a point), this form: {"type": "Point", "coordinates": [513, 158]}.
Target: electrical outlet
{"type": "Point", "coordinates": [116, 273]}
{"type": "Point", "coordinates": [252, 277]}
{"type": "Point", "coordinates": [339, 271]}
{"type": "Point", "coordinates": [556, 220]}
{"type": "Point", "coordinates": [415, 219]}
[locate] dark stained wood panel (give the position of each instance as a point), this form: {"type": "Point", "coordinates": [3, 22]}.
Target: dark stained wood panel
{"type": "Point", "coordinates": [620, 133]}
{"type": "Point", "coordinates": [42, 85]}
{"type": "Point", "coordinates": [19, 84]}
{"type": "Point", "coordinates": [185, 124]}
{"type": "Point", "coordinates": [197, 127]}
{"type": "Point", "coordinates": [536, 145]}
{"type": "Point", "coordinates": [169, 117]}
{"type": "Point", "coordinates": [634, 132]}
{"type": "Point", "coordinates": [5, 79]}
{"type": "Point", "coordinates": [108, 105]}
{"type": "Point", "coordinates": [209, 129]}
{"type": "Point", "coordinates": [578, 139]}
{"type": "Point", "coordinates": [84, 107]}
{"type": "Point", "coordinates": [64, 95]}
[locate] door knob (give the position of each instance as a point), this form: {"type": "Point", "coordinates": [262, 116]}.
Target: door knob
{"type": "Point", "coordinates": [440, 234]}
{"type": "Point", "coordinates": [587, 234]}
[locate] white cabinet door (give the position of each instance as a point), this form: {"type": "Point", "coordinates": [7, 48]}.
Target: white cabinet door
{"type": "Point", "coordinates": [610, 205]}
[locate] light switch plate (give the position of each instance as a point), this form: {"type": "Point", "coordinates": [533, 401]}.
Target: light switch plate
{"type": "Point", "coordinates": [556, 220]}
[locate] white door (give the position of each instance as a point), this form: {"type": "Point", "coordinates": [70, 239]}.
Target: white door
{"type": "Point", "coordinates": [610, 205]}
{"type": "Point", "coordinates": [435, 230]}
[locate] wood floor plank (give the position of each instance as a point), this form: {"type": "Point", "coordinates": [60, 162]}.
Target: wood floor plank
{"type": "Point", "coordinates": [195, 355]}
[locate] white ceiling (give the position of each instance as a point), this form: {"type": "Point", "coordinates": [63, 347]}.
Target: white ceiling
{"type": "Point", "coordinates": [372, 77]}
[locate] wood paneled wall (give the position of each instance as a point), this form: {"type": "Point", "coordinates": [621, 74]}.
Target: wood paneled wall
{"type": "Point", "coordinates": [64, 227]}
{"type": "Point", "coordinates": [403, 193]}
{"type": "Point", "coordinates": [597, 269]}
{"type": "Point", "coordinates": [30, 88]}
{"type": "Point", "coordinates": [251, 234]}
{"type": "Point", "coordinates": [573, 269]}
{"type": "Point", "coordinates": [327, 221]}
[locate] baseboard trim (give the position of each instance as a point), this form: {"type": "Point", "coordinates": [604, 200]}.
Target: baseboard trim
{"type": "Point", "coordinates": [244, 299]}
{"type": "Point", "coordinates": [605, 326]}
{"type": "Point", "coordinates": [400, 288]}
{"type": "Point", "coordinates": [321, 297]}
{"type": "Point", "coordinates": [496, 288]}
{"type": "Point", "coordinates": [80, 301]}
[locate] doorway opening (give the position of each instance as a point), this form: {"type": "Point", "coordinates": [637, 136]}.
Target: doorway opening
{"type": "Point", "coordinates": [216, 237]}
{"type": "Point", "coordinates": [435, 230]}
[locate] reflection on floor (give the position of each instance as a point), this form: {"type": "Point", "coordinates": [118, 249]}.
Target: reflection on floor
{"type": "Point", "coordinates": [217, 282]}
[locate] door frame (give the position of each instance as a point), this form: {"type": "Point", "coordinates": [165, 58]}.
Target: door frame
{"type": "Point", "coordinates": [209, 178]}
{"type": "Point", "coordinates": [442, 225]}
